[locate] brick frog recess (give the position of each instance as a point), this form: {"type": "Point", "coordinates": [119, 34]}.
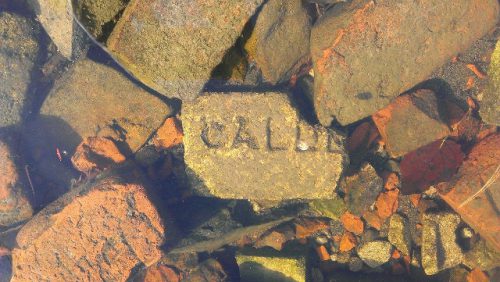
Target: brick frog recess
{"type": "Point", "coordinates": [237, 144]}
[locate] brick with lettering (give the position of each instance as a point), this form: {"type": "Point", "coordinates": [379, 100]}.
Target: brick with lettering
{"type": "Point", "coordinates": [255, 146]}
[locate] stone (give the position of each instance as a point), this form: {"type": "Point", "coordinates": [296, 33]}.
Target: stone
{"type": "Point", "coordinates": [476, 275]}
{"type": "Point", "coordinates": [258, 137]}
{"type": "Point", "coordinates": [96, 154]}
{"type": "Point", "coordinates": [483, 256]}
{"type": "Point", "coordinates": [173, 46]}
{"type": "Point", "coordinates": [347, 242]}
{"type": "Point", "coordinates": [474, 191]}
{"type": "Point", "coordinates": [279, 43]}
{"type": "Point", "coordinates": [418, 111]}
{"type": "Point", "coordinates": [387, 203]}
{"type": "Point", "coordinates": [439, 248]}
{"type": "Point", "coordinates": [490, 104]}
{"type": "Point", "coordinates": [271, 266]}
{"type": "Point", "coordinates": [109, 226]}
{"type": "Point", "coordinates": [352, 223]}
{"type": "Point", "coordinates": [14, 205]}
{"type": "Point", "coordinates": [99, 16]}
{"type": "Point", "coordinates": [79, 106]}
{"type": "Point", "coordinates": [361, 189]}
{"type": "Point", "coordinates": [18, 57]}
{"type": "Point", "coordinates": [399, 234]}
{"type": "Point", "coordinates": [306, 227]}
{"type": "Point", "coordinates": [367, 52]}
{"type": "Point", "coordinates": [373, 220]}
{"type": "Point", "coordinates": [355, 264]}
{"type": "Point", "coordinates": [168, 135]}
{"type": "Point", "coordinates": [331, 208]}
{"type": "Point", "coordinates": [375, 253]}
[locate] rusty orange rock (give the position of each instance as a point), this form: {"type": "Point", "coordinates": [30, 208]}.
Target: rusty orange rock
{"type": "Point", "coordinates": [387, 203]}
{"type": "Point", "coordinates": [352, 223]}
{"type": "Point", "coordinates": [347, 242]}
{"type": "Point", "coordinates": [391, 180]}
{"type": "Point", "coordinates": [415, 199]}
{"type": "Point", "coordinates": [169, 134]}
{"type": "Point", "coordinates": [159, 273]}
{"type": "Point", "coordinates": [373, 220]}
{"type": "Point", "coordinates": [306, 227]}
{"type": "Point", "coordinates": [14, 206]}
{"type": "Point", "coordinates": [474, 191]}
{"type": "Point", "coordinates": [476, 275]}
{"type": "Point", "coordinates": [99, 231]}
{"type": "Point", "coordinates": [96, 154]}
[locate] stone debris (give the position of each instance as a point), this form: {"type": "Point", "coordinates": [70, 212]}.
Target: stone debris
{"type": "Point", "coordinates": [173, 46]}
{"type": "Point", "coordinates": [168, 135]}
{"type": "Point", "coordinates": [399, 234]}
{"type": "Point", "coordinates": [347, 242]}
{"type": "Point", "coordinates": [270, 266]}
{"type": "Point", "coordinates": [375, 253]}
{"type": "Point", "coordinates": [96, 154]}
{"type": "Point", "coordinates": [387, 203]}
{"type": "Point", "coordinates": [439, 242]}
{"type": "Point", "coordinates": [99, 16]}
{"type": "Point", "coordinates": [109, 225]}
{"type": "Point", "coordinates": [352, 223]}
{"type": "Point", "coordinates": [279, 43]}
{"type": "Point", "coordinates": [237, 144]}
{"type": "Point", "coordinates": [361, 189]}
{"type": "Point", "coordinates": [365, 53]}
{"type": "Point", "coordinates": [490, 105]}
{"type": "Point", "coordinates": [19, 50]}
{"type": "Point", "coordinates": [331, 208]}
{"type": "Point", "coordinates": [14, 205]}
{"type": "Point", "coordinates": [418, 111]}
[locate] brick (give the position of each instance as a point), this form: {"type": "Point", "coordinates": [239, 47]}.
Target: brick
{"type": "Point", "coordinates": [254, 146]}
{"type": "Point", "coordinates": [173, 46]}
{"type": "Point", "coordinates": [367, 52]}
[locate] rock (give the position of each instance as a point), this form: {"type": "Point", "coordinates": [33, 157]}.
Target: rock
{"type": "Point", "coordinates": [271, 266]}
{"type": "Point", "coordinates": [96, 154]}
{"type": "Point", "coordinates": [476, 275]}
{"type": "Point", "coordinates": [352, 223]}
{"type": "Point", "coordinates": [110, 226]}
{"type": "Point", "coordinates": [275, 240]}
{"type": "Point", "coordinates": [375, 253]}
{"type": "Point", "coordinates": [18, 57]}
{"type": "Point", "coordinates": [483, 256]}
{"type": "Point", "coordinates": [79, 106]}
{"type": "Point", "coordinates": [417, 111]}
{"type": "Point", "coordinates": [361, 189]}
{"type": "Point", "coordinates": [99, 16]}
{"type": "Point", "coordinates": [490, 105]}
{"type": "Point", "coordinates": [365, 53]}
{"type": "Point", "coordinates": [355, 264]}
{"type": "Point", "coordinates": [157, 273]}
{"type": "Point", "coordinates": [399, 234]}
{"type": "Point", "coordinates": [168, 135]}
{"type": "Point", "coordinates": [373, 220]}
{"type": "Point", "coordinates": [279, 43]}
{"type": "Point", "coordinates": [173, 46]}
{"type": "Point", "coordinates": [331, 208]}
{"type": "Point", "coordinates": [387, 203]}
{"type": "Point", "coordinates": [14, 205]}
{"type": "Point", "coordinates": [474, 192]}
{"type": "Point", "coordinates": [261, 140]}
{"type": "Point", "coordinates": [306, 227]}
{"type": "Point", "coordinates": [347, 242]}
{"type": "Point", "coordinates": [439, 248]}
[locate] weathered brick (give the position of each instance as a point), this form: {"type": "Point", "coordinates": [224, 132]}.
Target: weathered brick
{"type": "Point", "coordinates": [254, 146]}
{"type": "Point", "coordinates": [173, 46]}
{"type": "Point", "coordinates": [367, 52]}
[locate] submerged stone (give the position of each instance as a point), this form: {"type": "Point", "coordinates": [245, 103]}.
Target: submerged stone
{"type": "Point", "coordinates": [271, 266]}
{"type": "Point", "coordinates": [254, 146]}
{"type": "Point", "coordinates": [490, 105]}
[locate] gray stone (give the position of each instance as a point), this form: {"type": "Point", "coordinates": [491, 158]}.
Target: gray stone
{"type": "Point", "coordinates": [271, 266]}
{"type": "Point", "coordinates": [483, 256]}
{"type": "Point", "coordinates": [254, 146]}
{"type": "Point", "coordinates": [375, 253]}
{"type": "Point", "coordinates": [355, 264]}
{"type": "Point", "coordinates": [19, 49]}
{"type": "Point", "coordinates": [439, 242]}
{"type": "Point", "coordinates": [361, 189]}
{"type": "Point", "coordinates": [490, 104]}
{"type": "Point", "coordinates": [366, 52]}
{"type": "Point", "coordinates": [173, 46]}
{"type": "Point", "coordinates": [279, 43]}
{"type": "Point", "coordinates": [399, 234]}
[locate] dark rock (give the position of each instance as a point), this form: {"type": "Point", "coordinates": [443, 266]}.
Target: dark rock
{"type": "Point", "coordinates": [361, 190]}
{"type": "Point", "coordinates": [99, 16]}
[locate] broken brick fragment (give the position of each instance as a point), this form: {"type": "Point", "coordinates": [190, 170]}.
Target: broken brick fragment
{"type": "Point", "coordinates": [373, 220]}
{"type": "Point", "coordinates": [168, 135]}
{"type": "Point", "coordinates": [308, 226]}
{"type": "Point", "coordinates": [476, 275]}
{"type": "Point", "coordinates": [352, 223]}
{"type": "Point", "coordinates": [347, 242]}
{"type": "Point", "coordinates": [96, 154]}
{"type": "Point", "coordinates": [410, 122]}
{"type": "Point", "coordinates": [387, 203]}
{"type": "Point", "coordinates": [391, 180]}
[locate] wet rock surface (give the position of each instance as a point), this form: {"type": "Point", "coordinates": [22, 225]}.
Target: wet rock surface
{"type": "Point", "coordinates": [399, 234]}
{"type": "Point", "coordinates": [260, 139]}
{"type": "Point", "coordinates": [375, 253]}
{"type": "Point", "coordinates": [18, 57]}
{"type": "Point", "coordinates": [490, 107]}
{"type": "Point", "coordinates": [173, 46]}
{"type": "Point", "coordinates": [361, 189]}
{"type": "Point", "coordinates": [99, 16]}
{"type": "Point", "coordinates": [359, 47]}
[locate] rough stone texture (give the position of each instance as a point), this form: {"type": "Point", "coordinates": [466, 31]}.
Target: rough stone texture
{"type": "Point", "coordinates": [410, 122]}
{"type": "Point", "coordinates": [480, 170]}
{"type": "Point", "coordinates": [490, 105]}
{"type": "Point", "coordinates": [399, 234]}
{"type": "Point", "coordinates": [99, 231]}
{"type": "Point", "coordinates": [279, 43]}
{"type": "Point", "coordinates": [254, 146]}
{"type": "Point", "coordinates": [95, 154]}
{"type": "Point", "coordinates": [361, 189]}
{"type": "Point", "coordinates": [90, 100]}
{"type": "Point", "coordinates": [99, 16]}
{"type": "Point", "coordinates": [271, 266]}
{"type": "Point", "coordinates": [375, 253]}
{"type": "Point", "coordinates": [332, 208]}
{"type": "Point", "coordinates": [173, 46]}
{"type": "Point", "coordinates": [365, 52]}
{"type": "Point", "coordinates": [14, 206]}
{"type": "Point", "coordinates": [352, 223]}
{"type": "Point", "coordinates": [18, 55]}
{"type": "Point", "coordinates": [439, 242]}
{"type": "Point", "coordinates": [168, 135]}
{"type": "Point", "coordinates": [483, 256]}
